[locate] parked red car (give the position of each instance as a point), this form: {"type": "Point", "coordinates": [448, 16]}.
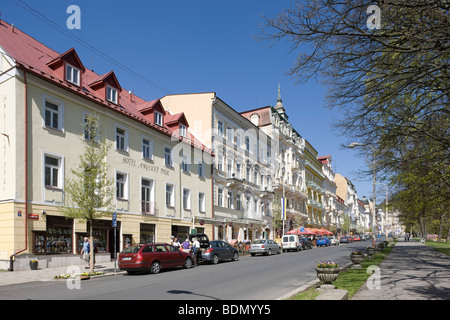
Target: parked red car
{"type": "Point", "coordinates": [152, 258]}
{"type": "Point", "coordinates": [356, 238]}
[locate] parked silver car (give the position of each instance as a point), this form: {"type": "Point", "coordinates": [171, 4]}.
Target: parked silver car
{"type": "Point", "coordinates": [334, 241]}
{"type": "Point", "coordinates": [265, 247]}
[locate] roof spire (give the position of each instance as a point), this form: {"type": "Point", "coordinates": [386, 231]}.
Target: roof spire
{"type": "Point", "coordinates": [279, 94]}
{"type": "Point", "coordinates": [279, 107]}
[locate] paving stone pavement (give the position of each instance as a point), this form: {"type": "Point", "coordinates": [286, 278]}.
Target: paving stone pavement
{"type": "Point", "coordinates": [412, 271]}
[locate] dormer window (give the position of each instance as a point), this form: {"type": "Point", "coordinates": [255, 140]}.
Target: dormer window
{"type": "Point", "coordinates": [111, 94]}
{"type": "Point", "coordinates": [72, 74]}
{"type": "Point", "coordinates": [158, 118]}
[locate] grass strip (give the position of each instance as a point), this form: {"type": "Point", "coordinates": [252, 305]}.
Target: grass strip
{"type": "Point", "coordinates": [350, 279]}
{"type": "Point", "coordinates": [443, 247]}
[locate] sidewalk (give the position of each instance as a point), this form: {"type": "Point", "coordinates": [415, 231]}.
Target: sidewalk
{"type": "Point", "coordinates": [48, 274]}
{"type": "Point", "coordinates": [412, 271]}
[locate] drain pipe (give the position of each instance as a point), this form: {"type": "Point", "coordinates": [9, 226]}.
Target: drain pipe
{"type": "Point", "coordinates": [11, 258]}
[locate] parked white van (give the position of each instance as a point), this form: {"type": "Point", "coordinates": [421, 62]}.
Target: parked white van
{"type": "Point", "coordinates": [291, 242]}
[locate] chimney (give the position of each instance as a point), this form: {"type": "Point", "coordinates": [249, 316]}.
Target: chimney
{"type": "Point", "coordinates": [131, 95]}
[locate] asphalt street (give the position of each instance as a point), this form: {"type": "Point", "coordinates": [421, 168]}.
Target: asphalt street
{"type": "Point", "coordinates": [251, 278]}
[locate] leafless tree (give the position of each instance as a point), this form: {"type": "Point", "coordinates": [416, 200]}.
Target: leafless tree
{"type": "Point", "coordinates": [391, 81]}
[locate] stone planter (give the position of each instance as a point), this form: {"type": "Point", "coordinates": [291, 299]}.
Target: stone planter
{"type": "Point", "coordinates": [357, 259]}
{"type": "Point", "coordinates": [371, 252]}
{"type": "Point", "coordinates": [327, 275]}
{"type": "Point", "coordinates": [34, 265]}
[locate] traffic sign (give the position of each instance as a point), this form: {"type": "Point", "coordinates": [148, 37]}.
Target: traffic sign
{"type": "Point", "coordinates": [114, 220]}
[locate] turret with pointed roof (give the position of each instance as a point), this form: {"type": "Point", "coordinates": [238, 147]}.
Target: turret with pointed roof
{"type": "Point", "coordinates": [279, 107]}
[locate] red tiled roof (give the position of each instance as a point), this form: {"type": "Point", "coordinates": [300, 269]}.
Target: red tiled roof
{"type": "Point", "coordinates": [264, 115]}
{"type": "Point", "coordinates": [34, 57]}
{"type": "Point", "coordinates": [324, 159]}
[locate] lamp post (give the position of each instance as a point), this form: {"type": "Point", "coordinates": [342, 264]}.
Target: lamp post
{"type": "Point", "coordinates": [352, 146]}
{"type": "Point", "coordinates": [387, 220]}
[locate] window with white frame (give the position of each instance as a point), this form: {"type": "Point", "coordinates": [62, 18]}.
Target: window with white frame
{"type": "Point", "coordinates": [186, 199]}
{"type": "Point", "coordinates": [168, 156]}
{"type": "Point", "coordinates": [230, 200]}
{"type": "Point", "coordinates": [121, 138]}
{"type": "Point", "coordinates": [229, 168]}
{"type": "Point", "coordinates": [182, 130]}
{"type": "Point", "coordinates": [170, 195]}
{"type": "Point", "coordinates": [52, 171]}
{"type": "Point", "coordinates": [147, 196]}
{"type": "Point", "coordinates": [238, 171]}
{"type": "Point", "coordinates": [53, 114]}
{"type": "Point", "coordinates": [111, 94]}
{"type": "Point", "coordinates": [185, 165]}
{"type": "Point", "coordinates": [220, 162]}
{"type": "Point", "coordinates": [238, 140]}
{"type": "Point", "coordinates": [147, 148]}
{"type": "Point", "coordinates": [247, 144]}
{"type": "Point", "coordinates": [201, 202]}
{"type": "Point", "coordinates": [230, 132]}
{"type": "Point", "coordinates": [72, 74]}
{"type": "Point", "coordinates": [158, 118]}
{"type": "Point", "coordinates": [121, 185]}
{"type": "Point", "coordinates": [220, 128]}
{"type": "Point", "coordinates": [220, 197]}
{"type": "Point", "coordinates": [238, 202]}
{"type": "Point", "coordinates": [201, 169]}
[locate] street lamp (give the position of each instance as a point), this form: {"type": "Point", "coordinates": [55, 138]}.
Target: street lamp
{"type": "Point", "coordinates": [352, 146]}
{"type": "Point", "coordinates": [387, 220]}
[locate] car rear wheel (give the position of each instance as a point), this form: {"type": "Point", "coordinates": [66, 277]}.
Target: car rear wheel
{"type": "Point", "coordinates": [155, 267]}
{"type": "Point", "coordinates": [215, 259]}
{"type": "Point", "coordinates": [188, 263]}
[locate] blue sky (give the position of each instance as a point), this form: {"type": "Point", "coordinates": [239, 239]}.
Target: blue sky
{"type": "Point", "coordinates": [194, 46]}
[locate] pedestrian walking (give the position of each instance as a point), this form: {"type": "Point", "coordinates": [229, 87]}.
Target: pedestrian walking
{"type": "Point", "coordinates": [197, 252]}
{"type": "Point", "coordinates": [85, 251]}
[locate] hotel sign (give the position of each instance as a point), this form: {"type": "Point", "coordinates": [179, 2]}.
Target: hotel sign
{"type": "Point", "coordinates": [145, 166]}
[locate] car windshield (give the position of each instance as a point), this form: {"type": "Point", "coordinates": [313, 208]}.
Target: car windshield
{"type": "Point", "coordinates": [259, 241]}
{"type": "Point", "coordinates": [132, 249]}
{"type": "Point", "coordinates": [321, 239]}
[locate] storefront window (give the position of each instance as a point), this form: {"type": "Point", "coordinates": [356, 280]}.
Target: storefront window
{"type": "Point", "coordinates": [147, 233]}
{"type": "Point", "coordinates": [100, 239]}
{"type": "Point", "coordinates": [39, 243]}
{"type": "Point", "coordinates": [57, 239]}
{"type": "Point", "coordinates": [181, 232]}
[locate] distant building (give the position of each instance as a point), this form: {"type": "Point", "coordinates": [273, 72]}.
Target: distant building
{"type": "Point", "coordinates": [242, 178]}
{"type": "Point", "coordinates": [289, 161]}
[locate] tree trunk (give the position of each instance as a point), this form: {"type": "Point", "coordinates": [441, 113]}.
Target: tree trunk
{"type": "Point", "coordinates": [441, 225]}
{"type": "Point", "coordinates": [92, 252]}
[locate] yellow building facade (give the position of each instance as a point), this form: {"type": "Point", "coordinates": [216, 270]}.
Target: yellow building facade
{"type": "Point", "coordinates": [161, 171]}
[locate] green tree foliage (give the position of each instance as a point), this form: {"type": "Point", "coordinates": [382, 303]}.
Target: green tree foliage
{"type": "Point", "coordinates": [391, 85]}
{"type": "Point", "coordinates": [89, 194]}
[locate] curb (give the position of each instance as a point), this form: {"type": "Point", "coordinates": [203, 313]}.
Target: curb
{"type": "Point", "coordinates": [306, 286]}
{"type": "Point", "coordinates": [298, 290]}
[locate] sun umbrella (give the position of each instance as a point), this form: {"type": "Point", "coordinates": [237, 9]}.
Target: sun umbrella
{"type": "Point", "coordinates": [325, 231]}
